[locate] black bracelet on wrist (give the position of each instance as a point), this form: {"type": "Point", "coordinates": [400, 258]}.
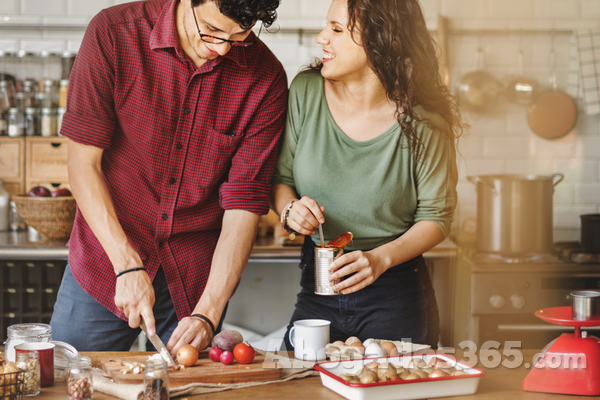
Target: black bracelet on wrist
{"type": "Point", "coordinates": [130, 270]}
{"type": "Point", "coordinates": [205, 318]}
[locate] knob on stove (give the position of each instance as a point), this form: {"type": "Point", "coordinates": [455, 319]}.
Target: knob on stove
{"type": "Point", "coordinates": [517, 301]}
{"type": "Point", "coordinates": [497, 301]}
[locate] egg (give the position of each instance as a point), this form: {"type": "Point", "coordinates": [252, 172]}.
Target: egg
{"type": "Point", "coordinates": [374, 350]}
{"type": "Point", "coordinates": [390, 348]}
{"type": "Point", "coordinates": [353, 339]}
{"type": "Point", "coordinates": [367, 342]}
{"type": "Point", "coordinates": [359, 346]}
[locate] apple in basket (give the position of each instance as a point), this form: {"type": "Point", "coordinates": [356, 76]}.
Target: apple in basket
{"type": "Point", "coordinates": [61, 192]}
{"type": "Point", "coordinates": [39, 191]}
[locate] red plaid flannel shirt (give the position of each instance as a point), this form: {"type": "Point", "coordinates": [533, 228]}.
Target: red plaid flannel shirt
{"type": "Point", "coordinates": [181, 144]}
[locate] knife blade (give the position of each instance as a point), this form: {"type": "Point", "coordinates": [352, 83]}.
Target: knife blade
{"type": "Point", "coordinates": [158, 344]}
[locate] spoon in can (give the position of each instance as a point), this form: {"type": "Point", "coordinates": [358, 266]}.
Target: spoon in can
{"type": "Point", "coordinates": [321, 235]}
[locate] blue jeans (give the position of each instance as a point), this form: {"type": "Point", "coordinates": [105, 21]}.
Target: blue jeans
{"type": "Point", "coordinates": [87, 325]}
{"type": "Point", "coordinates": [400, 305]}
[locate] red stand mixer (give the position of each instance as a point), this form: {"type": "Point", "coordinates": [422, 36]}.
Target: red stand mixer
{"type": "Point", "coordinates": [570, 364]}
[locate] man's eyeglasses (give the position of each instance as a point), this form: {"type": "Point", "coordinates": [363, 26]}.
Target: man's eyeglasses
{"type": "Point", "coordinates": [217, 40]}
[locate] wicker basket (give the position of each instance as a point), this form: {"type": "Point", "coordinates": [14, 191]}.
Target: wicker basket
{"type": "Point", "coordinates": [11, 385]}
{"type": "Point", "coordinates": [52, 217]}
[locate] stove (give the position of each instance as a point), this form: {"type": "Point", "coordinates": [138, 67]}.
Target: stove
{"type": "Point", "coordinates": [574, 252]}
{"type": "Point", "coordinates": [507, 290]}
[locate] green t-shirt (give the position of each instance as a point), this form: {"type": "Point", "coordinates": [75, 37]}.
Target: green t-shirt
{"type": "Point", "coordinates": [374, 189]}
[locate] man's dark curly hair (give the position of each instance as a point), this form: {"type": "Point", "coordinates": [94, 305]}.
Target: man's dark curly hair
{"type": "Point", "coordinates": [246, 12]}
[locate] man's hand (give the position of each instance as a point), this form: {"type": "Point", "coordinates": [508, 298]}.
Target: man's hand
{"type": "Point", "coordinates": [134, 297]}
{"type": "Point", "coordinates": [193, 331]}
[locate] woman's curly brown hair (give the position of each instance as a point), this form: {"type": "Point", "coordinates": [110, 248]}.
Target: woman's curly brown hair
{"type": "Point", "coordinates": [402, 53]}
{"type": "Point", "coordinates": [246, 12]}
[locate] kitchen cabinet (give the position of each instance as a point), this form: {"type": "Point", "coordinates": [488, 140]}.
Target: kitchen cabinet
{"type": "Point", "coordinates": [46, 162]}
{"type": "Point", "coordinates": [12, 164]}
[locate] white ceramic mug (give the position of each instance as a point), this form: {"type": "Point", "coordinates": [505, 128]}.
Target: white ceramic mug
{"type": "Point", "coordinates": [309, 337]}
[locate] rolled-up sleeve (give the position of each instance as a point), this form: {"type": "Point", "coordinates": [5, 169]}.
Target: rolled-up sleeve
{"type": "Point", "coordinates": [436, 179]}
{"type": "Point", "coordinates": [249, 181]}
{"type": "Point", "coordinates": [90, 116]}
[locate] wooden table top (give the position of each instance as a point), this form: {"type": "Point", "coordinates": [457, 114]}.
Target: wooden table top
{"type": "Point", "coordinates": [499, 383]}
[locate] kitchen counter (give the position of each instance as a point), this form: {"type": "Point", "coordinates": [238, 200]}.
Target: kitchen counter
{"type": "Point", "coordinates": [18, 246]}
{"type": "Point", "coordinates": [499, 383]}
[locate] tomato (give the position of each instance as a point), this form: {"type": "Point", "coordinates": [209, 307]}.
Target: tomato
{"type": "Point", "coordinates": [341, 240]}
{"type": "Point", "coordinates": [187, 355]}
{"type": "Point", "coordinates": [244, 353]}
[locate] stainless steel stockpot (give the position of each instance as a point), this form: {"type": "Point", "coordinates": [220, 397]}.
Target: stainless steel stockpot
{"type": "Point", "coordinates": [514, 213]}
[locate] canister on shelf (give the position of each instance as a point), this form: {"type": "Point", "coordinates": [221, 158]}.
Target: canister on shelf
{"type": "Point", "coordinates": [4, 208]}
{"type": "Point", "coordinates": [16, 222]}
{"type": "Point", "coordinates": [68, 58]}
{"type": "Point", "coordinates": [60, 112]}
{"type": "Point", "coordinates": [31, 121]}
{"type": "Point", "coordinates": [50, 90]}
{"type": "Point", "coordinates": [48, 122]}
{"type": "Point", "coordinates": [62, 91]}
{"type": "Point", "coordinates": [15, 122]}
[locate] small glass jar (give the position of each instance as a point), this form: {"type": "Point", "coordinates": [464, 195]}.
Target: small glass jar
{"type": "Point", "coordinates": [29, 362]}
{"type": "Point", "coordinates": [60, 113]}
{"type": "Point", "coordinates": [16, 221]}
{"type": "Point", "coordinates": [68, 58]}
{"type": "Point", "coordinates": [15, 122]}
{"type": "Point", "coordinates": [80, 384]}
{"type": "Point", "coordinates": [156, 380]}
{"type": "Point", "coordinates": [29, 92]}
{"type": "Point", "coordinates": [49, 89]}
{"type": "Point", "coordinates": [48, 122]}
{"type": "Point", "coordinates": [25, 333]}
{"type": "Point", "coordinates": [62, 93]}
{"type": "Point", "coordinates": [31, 121]}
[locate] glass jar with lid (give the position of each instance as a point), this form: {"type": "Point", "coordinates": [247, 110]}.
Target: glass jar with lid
{"type": "Point", "coordinates": [80, 385]}
{"type": "Point", "coordinates": [156, 380]}
{"type": "Point", "coordinates": [15, 122]}
{"type": "Point", "coordinates": [29, 362]}
{"type": "Point", "coordinates": [31, 121]}
{"type": "Point", "coordinates": [25, 333]}
{"type": "Point", "coordinates": [48, 121]}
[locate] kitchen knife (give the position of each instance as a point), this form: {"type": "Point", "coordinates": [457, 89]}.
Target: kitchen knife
{"type": "Point", "coordinates": [158, 344]}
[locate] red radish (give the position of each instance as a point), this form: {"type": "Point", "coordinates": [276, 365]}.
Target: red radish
{"type": "Point", "coordinates": [214, 353]}
{"type": "Point", "coordinates": [226, 357]}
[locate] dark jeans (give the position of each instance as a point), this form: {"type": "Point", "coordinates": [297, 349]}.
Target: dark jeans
{"type": "Point", "coordinates": [400, 305]}
{"type": "Point", "coordinates": [87, 325]}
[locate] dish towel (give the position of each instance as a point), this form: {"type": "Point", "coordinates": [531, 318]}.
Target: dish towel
{"type": "Point", "coordinates": [584, 69]}
{"type": "Point", "coordinates": [291, 369]}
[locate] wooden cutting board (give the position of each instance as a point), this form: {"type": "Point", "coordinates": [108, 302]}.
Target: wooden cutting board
{"type": "Point", "coordinates": [205, 371]}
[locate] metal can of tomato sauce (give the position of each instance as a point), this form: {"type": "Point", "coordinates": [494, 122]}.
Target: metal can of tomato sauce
{"type": "Point", "coordinates": [324, 256]}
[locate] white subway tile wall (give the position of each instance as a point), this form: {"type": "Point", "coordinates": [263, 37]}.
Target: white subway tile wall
{"type": "Point", "coordinates": [498, 142]}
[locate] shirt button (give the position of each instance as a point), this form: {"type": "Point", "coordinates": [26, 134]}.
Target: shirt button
{"type": "Point", "coordinates": [172, 181]}
{"type": "Point", "coordinates": [160, 244]}
{"type": "Point", "coordinates": [165, 216]}
{"type": "Point", "coordinates": [178, 146]}
{"type": "Point", "coordinates": [186, 111]}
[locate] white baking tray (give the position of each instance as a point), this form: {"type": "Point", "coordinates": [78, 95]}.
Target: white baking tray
{"type": "Point", "coordinates": [330, 372]}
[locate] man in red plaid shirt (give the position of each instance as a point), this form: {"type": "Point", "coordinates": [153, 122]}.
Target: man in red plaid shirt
{"type": "Point", "coordinates": [174, 114]}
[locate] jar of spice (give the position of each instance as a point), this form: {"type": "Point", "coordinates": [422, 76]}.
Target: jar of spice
{"type": "Point", "coordinates": [62, 93]}
{"type": "Point", "coordinates": [31, 121]}
{"type": "Point", "coordinates": [80, 384]}
{"type": "Point", "coordinates": [48, 121]}
{"type": "Point", "coordinates": [25, 333]}
{"type": "Point", "coordinates": [15, 122]}
{"type": "Point", "coordinates": [60, 112]}
{"type": "Point", "coordinates": [29, 362]}
{"type": "Point", "coordinates": [156, 380]}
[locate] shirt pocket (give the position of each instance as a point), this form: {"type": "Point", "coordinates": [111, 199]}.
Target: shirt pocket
{"type": "Point", "coordinates": [217, 151]}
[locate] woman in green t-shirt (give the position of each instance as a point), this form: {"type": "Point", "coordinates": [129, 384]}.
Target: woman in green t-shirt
{"type": "Point", "coordinates": [369, 148]}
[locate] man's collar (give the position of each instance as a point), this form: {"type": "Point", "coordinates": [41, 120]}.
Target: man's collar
{"type": "Point", "coordinates": [164, 35]}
